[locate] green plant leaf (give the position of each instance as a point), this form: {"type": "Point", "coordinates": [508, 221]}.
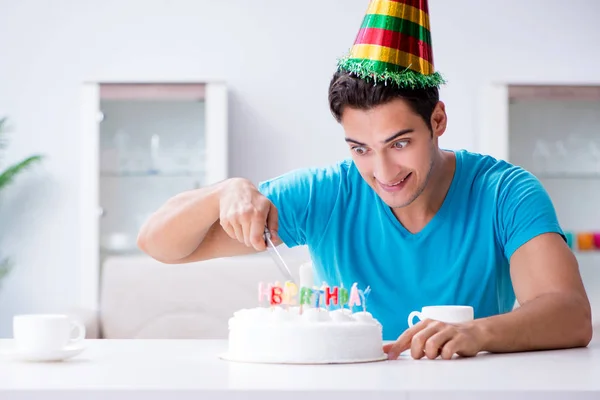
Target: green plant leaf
{"type": "Point", "coordinates": [5, 267]}
{"type": "Point", "coordinates": [11, 172]}
{"type": "Point", "coordinates": [6, 177]}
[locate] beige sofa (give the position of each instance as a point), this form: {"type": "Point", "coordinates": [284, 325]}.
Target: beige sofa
{"type": "Point", "coordinates": [141, 298]}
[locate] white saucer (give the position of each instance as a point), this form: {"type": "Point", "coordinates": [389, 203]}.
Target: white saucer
{"type": "Point", "coordinates": [43, 356]}
{"type": "Point", "coordinates": [226, 357]}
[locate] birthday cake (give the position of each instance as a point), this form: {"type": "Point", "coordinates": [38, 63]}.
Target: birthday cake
{"type": "Point", "coordinates": [300, 326]}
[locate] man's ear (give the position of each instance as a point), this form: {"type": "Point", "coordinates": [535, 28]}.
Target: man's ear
{"type": "Point", "coordinates": [439, 119]}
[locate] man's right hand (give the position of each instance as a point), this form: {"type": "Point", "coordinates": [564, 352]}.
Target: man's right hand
{"type": "Point", "coordinates": [244, 213]}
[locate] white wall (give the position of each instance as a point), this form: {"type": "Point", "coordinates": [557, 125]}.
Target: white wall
{"type": "Point", "coordinates": [277, 57]}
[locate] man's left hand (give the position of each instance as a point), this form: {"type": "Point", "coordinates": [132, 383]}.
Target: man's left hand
{"type": "Point", "coordinates": [432, 339]}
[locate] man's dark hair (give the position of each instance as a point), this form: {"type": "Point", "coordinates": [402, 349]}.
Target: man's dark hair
{"type": "Point", "coordinates": [346, 90]}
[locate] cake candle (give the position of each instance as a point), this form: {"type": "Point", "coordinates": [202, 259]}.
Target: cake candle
{"type": "Point", "coordinates": [354, 297]}
{"type": "Point", "coordinates": [343, 296]}
{"type": "Point", "coordinates": [363, 295]}
{"type": "Point", "coordinates": [264, 291]}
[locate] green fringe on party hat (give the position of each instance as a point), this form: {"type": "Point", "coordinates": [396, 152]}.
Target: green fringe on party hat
{"type": "Point", "coordinates": [394, 45]}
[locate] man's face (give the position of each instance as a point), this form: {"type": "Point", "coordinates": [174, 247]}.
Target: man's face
{"type": "Point", "coordinates": [393, 149]}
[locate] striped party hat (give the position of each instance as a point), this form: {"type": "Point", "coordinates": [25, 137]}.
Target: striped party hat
{"type": "Point", "coordinates": [394, 45]}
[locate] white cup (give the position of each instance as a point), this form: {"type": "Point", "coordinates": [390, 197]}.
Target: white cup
{"type": "Point", "coordinates": [46, 332]}
{"type": "Point", "coordinates": [448, 314]}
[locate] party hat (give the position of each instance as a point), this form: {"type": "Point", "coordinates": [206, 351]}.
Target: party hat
{"type": "Point", "coordinates": [394, 45]}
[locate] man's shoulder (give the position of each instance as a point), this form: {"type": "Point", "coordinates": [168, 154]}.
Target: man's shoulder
{"type": "Point", "coordinates": [489, 170]}
{"type": "Point", "coordinates": [481, 162]}
{"type": "Point", "coordinates": [501, 182]}
{"type": "Point", "coordinates": [306, 199]}
{"type": "Point", "coordinates": [332, 173]}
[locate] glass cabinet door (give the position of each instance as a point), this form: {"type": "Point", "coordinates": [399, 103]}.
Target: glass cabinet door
{"type": "Point", "coordinates": [554, 134]}
{"type": "Point", "coordinates": [153, 145]}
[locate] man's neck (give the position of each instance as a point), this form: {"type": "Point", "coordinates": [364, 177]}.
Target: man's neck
{"type": "Point", "coordinates": [418, 214]}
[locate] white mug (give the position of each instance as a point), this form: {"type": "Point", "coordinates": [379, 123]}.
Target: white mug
{"type": "Point", "coordinates": [46, 332]}
{"type": "Point", "coordinates": [449, 314]}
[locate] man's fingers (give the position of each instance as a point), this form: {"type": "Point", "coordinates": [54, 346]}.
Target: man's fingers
{"type": "Point", "coordinates": [460, 345]}
{"type": "Point", "coordinates": [257, 232]}
{"type": "Point", "coordinates": [228, 228]}
{"type": "Point", "coordinates": [450, 348]}
{"type": "Point", "coordinates": [239, 234]}
{"type": "Point", "coordinates": [436, 342]}
{"type": "Point", "coordinates": [404, 340]}
{"type": "Point", "coordinates": [417, 345]}
{"type": "Point", "coordinates": [246, 232]}
{"type": "Point", "coordinates": [433, 339]}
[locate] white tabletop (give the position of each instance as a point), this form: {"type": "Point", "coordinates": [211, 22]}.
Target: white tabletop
{"type": "Point", "coordinates": [160, 369]}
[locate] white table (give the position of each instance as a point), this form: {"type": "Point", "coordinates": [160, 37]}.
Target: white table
{"type": "Point", "coordinates": [189, 369]}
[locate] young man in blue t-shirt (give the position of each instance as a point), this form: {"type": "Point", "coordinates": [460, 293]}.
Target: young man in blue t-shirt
{"type": "Point", "coordinates": [418, 224]}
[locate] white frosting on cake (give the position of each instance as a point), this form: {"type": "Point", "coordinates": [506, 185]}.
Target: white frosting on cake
{"type": "Point", "coordinates": [284, 335]}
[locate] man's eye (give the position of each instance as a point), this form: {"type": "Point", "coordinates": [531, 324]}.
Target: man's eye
{"type": "Point", "coordinates": [400, 144]}
{"type": "Point", "coordinates": [359, 150]}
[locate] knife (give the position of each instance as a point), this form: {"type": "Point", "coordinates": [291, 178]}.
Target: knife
{"type": "Point", "coordinates": [277, 257]}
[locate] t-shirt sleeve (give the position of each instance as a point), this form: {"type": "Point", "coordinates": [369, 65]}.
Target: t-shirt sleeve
{"type": "Point", "coordinates": [525, 210]}
{"type": "Point", "coordinates": [304, 199]}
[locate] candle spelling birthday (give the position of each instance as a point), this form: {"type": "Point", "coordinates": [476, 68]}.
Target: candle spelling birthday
{"type": "Point", "coordinates": [289, 294]}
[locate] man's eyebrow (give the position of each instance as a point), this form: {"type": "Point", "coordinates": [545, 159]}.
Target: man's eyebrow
{"type": "Point", "coordinates": [397, 135]}
{"type": "Point", "coordinates": [394, 136]}
{"type": "Point", "coordinates": [348, 140]}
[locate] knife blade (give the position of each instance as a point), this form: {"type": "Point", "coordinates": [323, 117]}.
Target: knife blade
{"type": "Point", "coordinates": [276, 256]}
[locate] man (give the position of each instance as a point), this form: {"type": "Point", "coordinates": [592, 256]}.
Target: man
{"type": "Point", "coordinates": [418, 224]}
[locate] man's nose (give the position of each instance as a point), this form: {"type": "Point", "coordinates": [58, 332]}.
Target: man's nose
{"type": "Point", "coordinates": [385, 170]}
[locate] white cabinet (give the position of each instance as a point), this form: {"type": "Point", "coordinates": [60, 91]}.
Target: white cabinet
{"type": "Point", "coordinates": [141, 144]}
{"type": "Point", "coordinates": [554, 132]}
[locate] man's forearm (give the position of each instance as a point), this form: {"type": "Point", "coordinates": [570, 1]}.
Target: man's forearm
{"type": "Point", "coordinates": [178, 227]}
{"type": "Point", "coordinates": [551, 321]}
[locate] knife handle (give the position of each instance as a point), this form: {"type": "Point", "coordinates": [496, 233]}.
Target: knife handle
{"type": "Point", "coordinates": [267, 234]}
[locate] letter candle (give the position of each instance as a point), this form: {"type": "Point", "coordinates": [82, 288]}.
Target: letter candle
{"type": "Point", "coordinates": [343, 296]}
{"type": "Point", "coordinates": [363, 295]}
{"type": "Point", "coordinates": [318, 293]}
{"type": "Point", "coordinates": [331, 296]}
{"type": "Point", "coordinates": [276, 295]}
{"type": "Point", "coordinates": [305, 295]}
{"type": "Point", "coordinates": [354, 297]}
{"type": "Point", "coordinates": [289, 294]}
{"type": "Point", "coordinates": [264, 291]}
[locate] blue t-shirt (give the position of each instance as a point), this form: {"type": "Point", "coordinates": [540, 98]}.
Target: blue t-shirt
{"type": "Point", "coordinates": [461, 257]}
